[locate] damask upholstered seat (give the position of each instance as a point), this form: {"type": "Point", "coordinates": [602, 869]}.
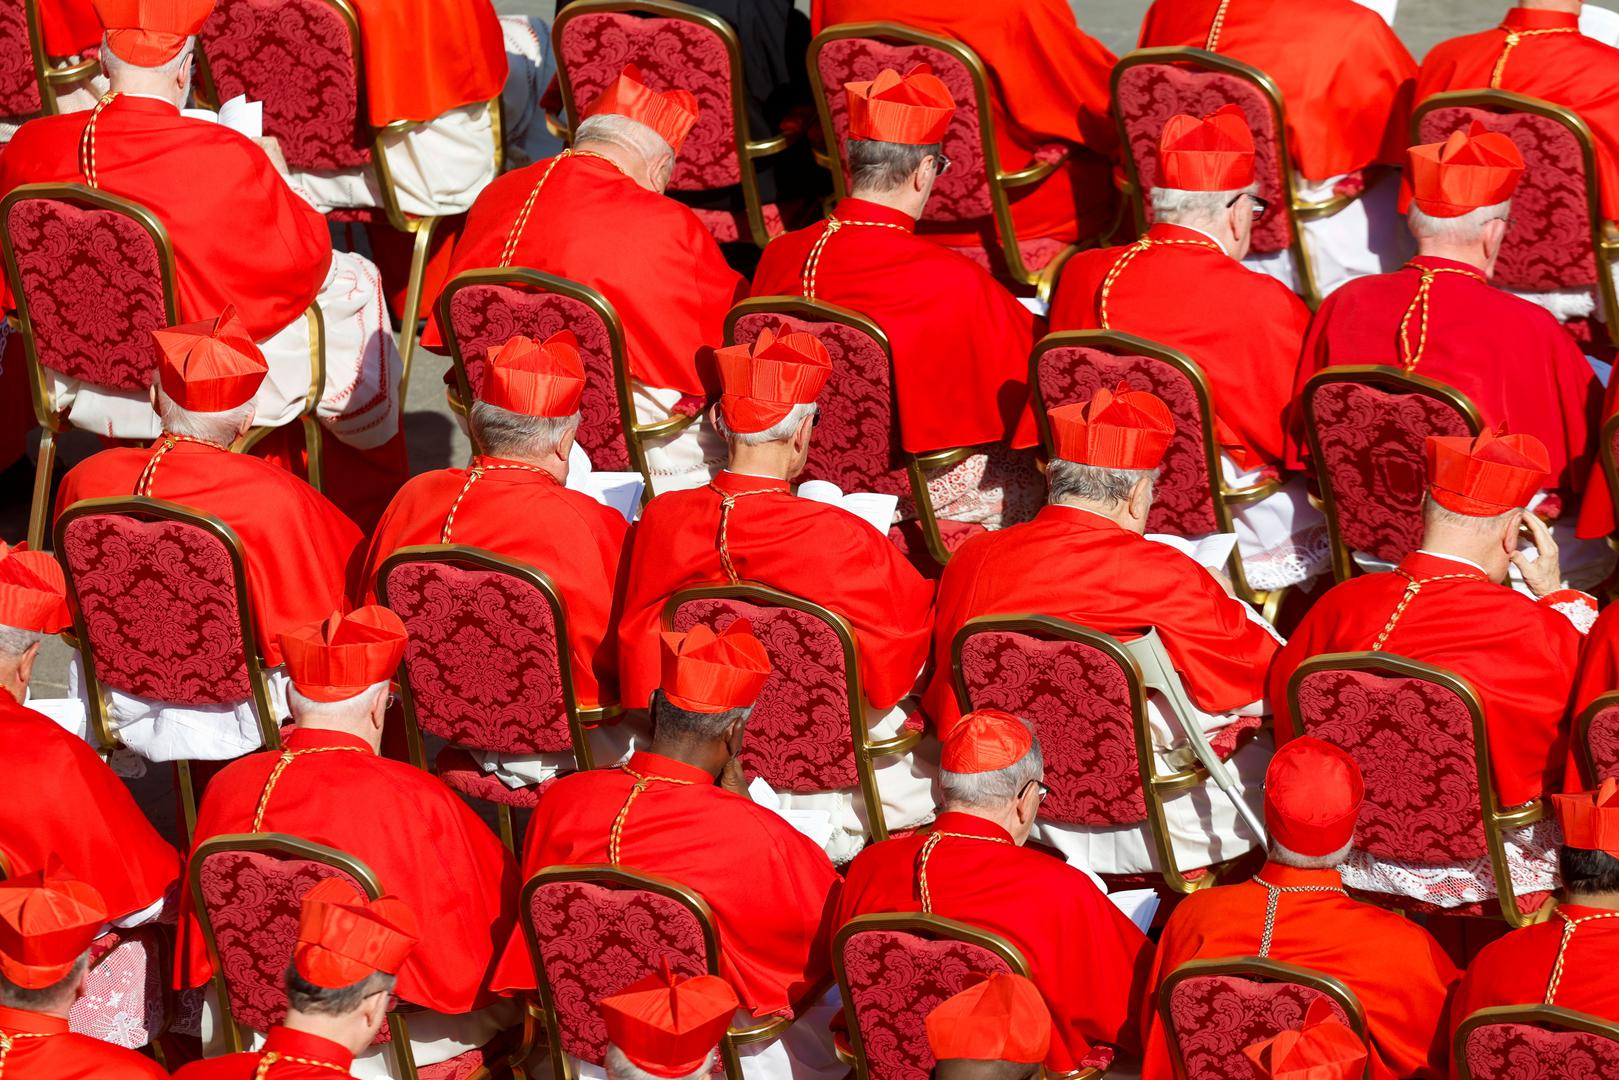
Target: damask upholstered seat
{"type": "Point", "coordinates": [28, 77]}
{"type": "Point", "coordinates": [1596, 734]}
{"type": "Point", "coordinates": [1544, 1042]}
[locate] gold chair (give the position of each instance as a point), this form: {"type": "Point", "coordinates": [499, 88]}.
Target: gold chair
{"type": "Point", "coordinates": [1564, 1038]}
{"type": "Point", "coordinates": [50, 77]}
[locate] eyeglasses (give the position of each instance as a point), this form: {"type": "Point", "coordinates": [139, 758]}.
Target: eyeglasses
{"type": "Point", "coordinates": [941, 164]}
{"type": "Point", "coordinates": [1260, 205]}
{"type": "Point", "coordinates": [1038, 785]}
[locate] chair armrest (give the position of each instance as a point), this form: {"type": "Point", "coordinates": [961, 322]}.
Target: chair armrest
{"type": "Point", "coordinates": [664, 427]}
{"type": "Point", "coordinates": [899, 744]}
{"type": "Point", "coordinates": [1310, 211]}
{"type": "Point", "coordinates": [1036, 172]}
{"type": "Point", "coordinates": [555, 127]}
{"type": "Point", "coordinates": [1610, 237]}
{"type": "Point", "coordinates": [773, 1028]}
{"type": "Point", "coordinates": [397, 127]}
{"type": "Point", "coordinates": [1184, 779]}
{"type": "Point", "coordinates": [73, 72]}
{"type": "Point", "coordinates": [765, 147]}
{"type": "Point", "coordinates": [1527, 814]}
{"type": "Point", "coordinates": [823, 159]}
{"type": "Point", "coordinates": [600, 714]}
{"type": "Point", "coordinates": [943, 459]}
{"type": "Point", "coordinates": [1253, 493]}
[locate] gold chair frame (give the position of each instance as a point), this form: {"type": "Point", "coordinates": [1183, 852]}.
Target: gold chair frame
{"type": "Point", "coordinates": [1298, 210]}
{"type": "Point", "coordinates": [475, 558]}
{"type": "Point", "coordinates": [748, 149]}
{"type": "Point", "coordinates": [144, 509]}
{"type": "Point", "coordinates": [1115, 343]}
{"type": "Point", "coordinates": [1261, 969]}
{"type": "Point", "coordinates": [1582, 736]}
{"type": "Point", "coordinates": [1548, 1016]}
{"type": "Point", "coordinates": [1496, 820]}
{"type": "Point", "coordinates": [48, 77]}
{"type": "Point", "coordinates": [1604, 234]}
{"type": "Point", "coordinates": [866, 751]}
{"type": "Point", "coordinates": [1389, 380]}
{"type": "Point", "coordinates": [1000, 181]}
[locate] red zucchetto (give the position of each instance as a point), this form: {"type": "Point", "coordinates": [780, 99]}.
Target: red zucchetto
{"type": "Point", "coordinates": [209, 366]}
{"type": "Point", "coordinates": [535, 378]}
{"type": "Point", "coordinates": [1487, 475]}
{"type": "Point", "coordinates": [762, 385]}
{"type": "Point", "coordinates": [672, 115]}
{"type": "Point", "coordinates": [33, 591]}
{"type": "Point", "coordinates": [1215, 153]}
{"type": "Point", "coordinates": [705, 672]}
{"type": "Point", "coordinates": [1590, 820]}
{"type": "Point", "coordinates": [150, 33]}
{"type": "Point", "coordinates": [344, 938]}
{"type": "Point", "coordinates": [1313, 792]}
{"type": "Point", "coordinates": [1003, 1018]}
{"type": "Point", "coordinates": [338, 657]}
{"type": "Point", "coordinates": [914, 108]}
{"type": "Point", "coordinates": [985, 741]}
{"type": "Point", "coordinates": [1115, 429]}
{"type": "Point", "coordinates": [667, 1024]}
{"type": "Point", "coordinates": [47, 921]}
{"type": "Point", "coordinates": [1470, 170]}
{"type": "Point", "coordinates": [1325, 1048]}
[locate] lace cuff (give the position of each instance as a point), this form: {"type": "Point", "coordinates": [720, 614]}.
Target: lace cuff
{"type": "Point", "coordinates": [1577, 607]}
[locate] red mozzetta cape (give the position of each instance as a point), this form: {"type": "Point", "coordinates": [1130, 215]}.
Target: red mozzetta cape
{"type": "Point", "coordinates": [578, 548]}
{"type": "Point", "coordinates": [290, 1045]}
{"type": "Point", "coordinates": [1393, 966]}
{"type": "Point", "coordinates": [297, 546]}
{"type": "Point", "coordinates": [62, 800]}
{"type": "Point", "coordinates": [672, 297]}
{"type": "Point", "coordinates": [1048, 84]}
{"type": "Point", "coordinates": [424, 844]}
{"type": "Point", "coordinates": [1523, 668]}
{"type": "Point", "coordinates": [63, 1055]}
{"type": "Point", "coordinates": [1599, 664]}
{"type": "Point", "coordinates": [240, 234]}
{"type": "Point", "coordinates": [426, 57]}
{"type": "Point", "coordinates": [772, 920]}
{"type": "Point", "coordinates": [1566, 69]}
{"type": "Point", "coordinates": [1089, 961]}
{"type": "Point", "coordinates": [961, 342]}
{"type": "Point", "coordinates": [70, 26]}
{"type": "Point", "coordinates": [1507, 355]}
{"type": "Point", "coordinates": [1345, 77]}
{"type": "Point", "coordinates": [801, 547]}
{"type": "Point", "coordinates": [1075, 565]}
{"type": "Point", "coordinates": [1242, 328]}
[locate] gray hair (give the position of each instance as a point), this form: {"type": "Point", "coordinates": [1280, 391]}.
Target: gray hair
{"type": "Point", "coordinates": [619, 1067]}
{"type": "Point", "coordinates": [1434, 515]}
{"type": "Point", "coordinates": [306, 997]}
{"type": "Point", "coordinates": [781, 431]}
{"type": "Point", "coordinates": [214, 427]}
{"type": "Point", "coordinates": [1288, 857]}
{"type": "Point", "coordinates": [1175, 206]}
{"type": "Point", "coordinates": [1092, 483]}
{"type": "Point", "coordinates": [626, 134]}
{"type": "Point", "coordinates": [118, 68]}
{"type": "Point", "coordinates": [503, 433]}
{"type": "Point", "coordinates": [58, 995]}
{"type": "Point", "coordinates": [669, 719]}
{"type": "Point", "coordinates": [360, 704]}
{"type": "Point", "coordinates": [991, 790]}
{"type": "Point", "coordinates": [1462, 229]}
{"type": "Point", "coordinates": [884, 166]}
{"type": "Point", "coordinates": [15, 642]}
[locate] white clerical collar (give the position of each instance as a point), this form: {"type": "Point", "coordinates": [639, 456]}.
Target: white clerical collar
{"type": "Point", "coordinates": [150, 97]}
{"type": "Point", "coordinates": [754, 475]}
{"type": "Point", "coordinates": [1453, 558]}
{"type": "Point", "coordinates": [1200, 232]}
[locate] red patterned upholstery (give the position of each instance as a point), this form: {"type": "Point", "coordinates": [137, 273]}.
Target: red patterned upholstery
{"type": "Point", "coordinates": [482, 661]}
{"type": "Point", "coordinates": [1371, 460]}
{"type": "Point", "coordinates": [595, 940]}
{"type": "Point", "coordinates": [1213, 1017]}
{"type": "Point", "coordinates": [93, 284]}
{"type": "Point", "coordinates": [1183, 500]}
{"type": "Point", "coordinates": [1036, 254]}
{"type": "Point", "coordinates": [461, 773]}
{"type": "Point", "coordinates": [1413, 740]}
{"type": "Point", "coordinates": [160, 609]}
{"type": "Point", "coordinates": [1149, 94]}
{"type": "Point", "coordinates": [731, 226]}
{"type": "Point", "coordinates": [1602, 742]}
{"type": "Point", "coordinates": [1548, 245]}
{"type": "Point", "coordinates": [1524, 1051]}
{"type": "Point", "coordinates": [488, 315]}
{"type": "Point", "coordinates": [895, 979]}
{"type": "Point", "coordinates": [19, 82]}
{"type": "Point", "coordinates": [299, 58]}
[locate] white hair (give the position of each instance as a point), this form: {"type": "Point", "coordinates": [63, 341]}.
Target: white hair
{"type": "Point", "coordinates": [117, 68]}
{"type": "Point", "coordinates": [214, 427]}
{"type": "Point", "coordinates": [15, 642]}
{"type": "Point", "coordinates": [1435, 515]}
{"type": "Point", "coordinates": [1176, 206]}
{"type": "Point", "coordinates": [619, 1067]}
{"type": "Point", "coordinates": [1288, 857]}
{"type": "Point", "coordinates": [992, 790]}
{"type": "Point", "coordinates": [504, 433]}
{"type": "Point", "coordinates": [1462, 229]}
{"type": "Point", "coordinates": [780, 431]}
{"type": "Point", "coordinates": [349, 708]}
{"type": "Point", "coordinates": [1092, 483]}
{"type": "Point", "coordinates": [624, 133]}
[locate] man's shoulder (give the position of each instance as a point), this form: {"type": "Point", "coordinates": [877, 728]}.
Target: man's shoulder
{"type": "Point", "coordinates": [105, 1060]}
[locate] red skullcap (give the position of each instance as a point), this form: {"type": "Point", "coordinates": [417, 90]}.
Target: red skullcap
{"type": "Point", "coordinates": [1323, 1049]}
{"type": "Point", "coordinates": [1313, 792]}
{"type": "Point", "coordinates": [672, 115]}
{"type": "Point", "coordinates": [1469, 170]}
{"type": "Point", "coordinates": [344, 938]}
{"type": "Point", "coordinates": [1591, 820]}
{"type": "Point", "coordinates": [761, 386]}
{"type": "Point", "coordinates": [47, 921]}
{"type": "Point", "coordinates": [209, 366]}
{"type": "Point", "coordinates": [705, 672]}
{"type": "Point", "coordinates": [984, 741]}
{"type": "Point", "coordinates": [914, 108]}
{"type": "Point", "coordinates": [1485, 476]}
{"type": "Point", "coordinates": [667, 1024]}
{"type": "Point", "coordinates": [150, 33]}
{"type": "Point", "coordinates": [338, 657]}
{"type": "Point", "coordinates": [535, 379]}
{"type": "Point", "coordinates": [1115, 429]}
{"type": "Point", "coordinates": [1003, 1018]}
{"type": "Point", "coordinates": [1215, 153]}
{"type": "Point", "coordinates": [33, 591]}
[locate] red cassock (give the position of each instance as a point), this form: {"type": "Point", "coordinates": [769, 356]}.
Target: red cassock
{"type": "Point", "coordinates": [771, 920]}
{"type": "Point", "coordinates": [1522, 663]}
{"type": "Point", "coordinates": [1599, 664]}
{"type": "Point", "coordinates": [303, 1057]}
{"type": "Point", "coordinates": [424, 844]}
{"type": "Point", "coordinates": [1395, 969]}
{"type": "Point", "coordinates": [1048, 84]}
{"type": "Point", "coordinates": [672, 297]}
{"type": "Point", "coordinates": [961, 341]}
{"type": "Point", "coordinates": [1510, 357]}
{"type": "Point", "coordinates": [1089, 961]}
{"type": "Point", "coordinates": [1242, 328]}
{"type": "Point", "coordinates": [63, 802]}
{"type": "Point", "coordinates": [211, 187]}
{"type": "Point", "coordinates": [426, 57]}
{"type": "Point", "coordinates": [1563, 67]}
{"type": "Point", "coordinates": [809, 549]}
{"type": "Point", "coordinates": [578, 548]}
{"type": "Point", "coordinates": [69, 26]}
{"type": "Point", "coordinates": [1345, 77]}
{"type": "Point", "coordinates": [297, 546]}
{"type": "Point", "coordinates": [43, 1049]}
{"type": "Point", "coordinates": [1076, 565]}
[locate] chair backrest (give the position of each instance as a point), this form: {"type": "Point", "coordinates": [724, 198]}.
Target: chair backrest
{"type": "Point", "coordinates": [486, 667]}
{"type": "Point", "coordinates": [894, 969]}
{"type": "Point", "coordinates": [1151, 85]}
{"type": "Point", "coordinates": [484, 308]}
{"type": "Point", "coordinates": [594, 930]}
{"type": "Point", "coordinates": [1212, 1009]}
{"type": "Point", "coordinates": [92, 275]}
{"type": "Point", "coordinates": [1542, 1041]}
{"type": "Point", "coordinates": [19, 77]}
{"type": "Point", "coordinates": [1596, 732]}
{"type": "Point", "coordinates": [302, 59]}
{"type": "Point", "coordinates": [1070, 367]}
{"type": "Point", "coordinates": [1366, 427]}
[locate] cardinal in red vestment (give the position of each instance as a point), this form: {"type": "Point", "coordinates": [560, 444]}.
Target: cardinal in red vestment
{"type": "Point", "coordinates": [1002, 1019]}
{"type": "Point", "coordinates": [1598, 675]}
{"type": "Point", "coordinates": [1088, 960]}
{"type": "Point", "coordinates": [667, 1025]}
{"type": "Point", "coordinates": [1396, 970]}
{"type": "Point", "coordinates": [69, 27]}
{"type": "Point", "coordinates": [1324, 1048]}
{"type": "Point", "coordinates": [1048, 82]}
{"type": "Point", "coordinates": [47, 924]}
{"type": "Point", "coordinates": [329, 786]}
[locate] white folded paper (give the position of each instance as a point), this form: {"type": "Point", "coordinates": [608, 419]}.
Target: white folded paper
{"type": "Point", "coordinates": [874, 509]}
{"type": "Point", "coordinates": [619, 490]}
{"type": "Point", "coordinates": [815, 824]}
{"type": "Point", "coordinates": [238, 114]}
{"type": "Point", "coordinates": [1385, 8]}
{"type": "Point", "coordinates": [1138, 905]}
{"type": "Point", "coordinates": [1600, 23]}
{"type": "Point", "coordinates": [1212, 551]}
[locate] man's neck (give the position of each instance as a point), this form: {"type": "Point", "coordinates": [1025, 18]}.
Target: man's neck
{"type": "Point", "coordinates": [364, 730]}
{"type": "Point", "coordinates": [1572, 7]}
{"type": "Point", "coordinates": [1227, 245]}
{"type": "Point", "coordinates": [633, 164]}
{"type": "Point", "coordinates": [1115, 513]}
{"type": "Point", "coordinates": [553, 466]}
{"type": "Point", "coordinates": [1006, 819]}
{"type": "Point", "coordinates": [1607, 901]}
{"type": "Point", "coordinates": [774, 460]}
{"type": "Point", "coordinates": [146, 88]}
{"type": "Point", "coordinates": [709, 755]}
{"type": "Point", "coordinates": [341, 1030]}
{"type": "Point", "coordinates": [1468, 254]}
{"type": "Point", "coordinates": [902, 199]}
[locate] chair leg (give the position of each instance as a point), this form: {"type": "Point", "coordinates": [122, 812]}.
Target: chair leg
{"type": "Point", "coordinates": [413, 302]}
{"type": "Point", "coordinates": [314, 467]}
{"type": "Point", "coordinates": [39, 510]}
{"type": "Point", "coordinates": [504, 813]}
{"type": "Point", "coordinates": [188, 803]}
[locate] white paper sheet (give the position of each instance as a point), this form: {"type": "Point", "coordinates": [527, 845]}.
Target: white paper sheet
{"type": "Point", "coordinates": [1212, 551]}
{"type": "Point", "coordinates": [1385, 8]}
{"type": "Point", "coordinates": [815, 824]}
{"type": "Point", "coordinates": [238, 114]}
{"type": "Point", "coordinates": [874, 509]}
{"type": "Point", "coordinates": [619, 490]}
{"type": "Point", "coordinates": [1600, 23]}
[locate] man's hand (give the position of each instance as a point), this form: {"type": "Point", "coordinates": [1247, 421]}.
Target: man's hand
{"type": "Point", "coordinates": [732, 780]}
{"type": "Point", "coordinates": [272, 148]}
{"type": "Point", "coordinates": [1544, 575]}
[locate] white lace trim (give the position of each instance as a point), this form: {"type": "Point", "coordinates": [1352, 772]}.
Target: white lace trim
{"type": "Point", "coordinates": [1293, 562]}
{"type": "Point", "coordinates": [1581, 612]}
{"type": "Point", "coordinates": [1531, 861]}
